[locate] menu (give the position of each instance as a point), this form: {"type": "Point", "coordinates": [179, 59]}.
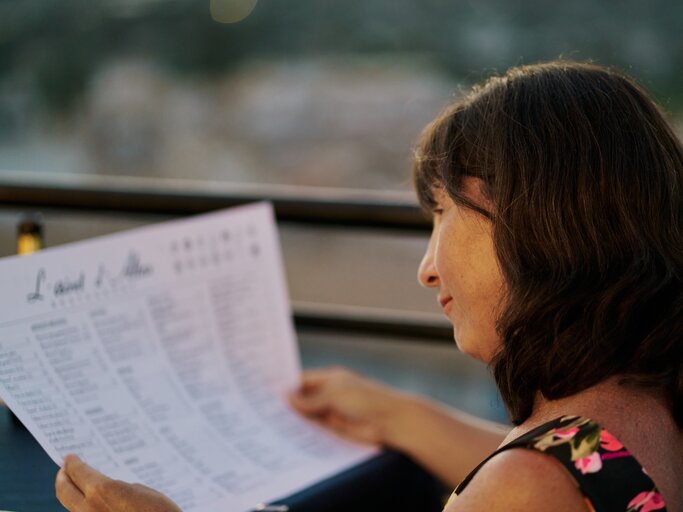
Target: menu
{"type": "Point", "coordinates": [162, 356]}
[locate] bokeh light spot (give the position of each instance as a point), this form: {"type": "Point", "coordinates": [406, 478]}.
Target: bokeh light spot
{"type": "Point", "coordinates": [231, 11]}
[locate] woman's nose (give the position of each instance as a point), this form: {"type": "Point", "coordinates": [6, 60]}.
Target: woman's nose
{"type": "Point", "coordinates": [426, 272]}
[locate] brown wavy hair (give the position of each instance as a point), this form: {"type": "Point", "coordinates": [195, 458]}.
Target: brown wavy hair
{"type": "Point", "coordinates": [585, 177]}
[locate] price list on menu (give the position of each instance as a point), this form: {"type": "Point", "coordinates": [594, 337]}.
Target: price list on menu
{"type": "Point", "coordinates": [162, 356]}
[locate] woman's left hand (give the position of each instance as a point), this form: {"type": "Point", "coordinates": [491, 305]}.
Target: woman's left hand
{"type": "Point", "coordinates": [81, 488]}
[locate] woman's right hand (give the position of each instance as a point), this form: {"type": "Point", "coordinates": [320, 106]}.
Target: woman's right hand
{"type": "Point", "coordinates": [353, 406]}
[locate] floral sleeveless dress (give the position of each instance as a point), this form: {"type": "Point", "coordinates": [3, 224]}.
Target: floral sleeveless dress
{"type": "Point", "coordinates": [609, 477]}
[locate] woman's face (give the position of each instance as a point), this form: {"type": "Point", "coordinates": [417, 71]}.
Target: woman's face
{"type": "Point", "coordinates": [461, 265]}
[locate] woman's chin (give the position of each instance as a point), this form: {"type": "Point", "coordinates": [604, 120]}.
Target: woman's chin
{"type": "Point", "coordinates": [466, 348]}
{"type": "Point", "coordinates": [474, 348]}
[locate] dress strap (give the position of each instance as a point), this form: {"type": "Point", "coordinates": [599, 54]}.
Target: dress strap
{"type": "Point", "coordinates": [609, 477]}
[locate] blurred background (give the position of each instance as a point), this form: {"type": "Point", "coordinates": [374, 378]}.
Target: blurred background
{"type": "Point", "coordinates": [305, 93]}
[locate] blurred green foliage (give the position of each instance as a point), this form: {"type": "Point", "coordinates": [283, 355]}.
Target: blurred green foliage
{"type": "Point", "coordinates": [54, 46]}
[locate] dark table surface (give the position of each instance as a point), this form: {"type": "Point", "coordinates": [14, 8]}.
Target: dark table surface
{"type": "Point", "coordinates": [387, 482]}
{"type": "Point", "coordinates": [26, 472]}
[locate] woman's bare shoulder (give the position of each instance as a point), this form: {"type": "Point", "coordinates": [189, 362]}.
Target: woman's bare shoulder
{"type": "Point", "coordinates": [520, 480]}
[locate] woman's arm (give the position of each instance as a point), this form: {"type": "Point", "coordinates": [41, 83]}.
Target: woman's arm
{"type": "Point", "coordinates": [449, 443]}
{"type": "Point", "coordinates": [446, 442]}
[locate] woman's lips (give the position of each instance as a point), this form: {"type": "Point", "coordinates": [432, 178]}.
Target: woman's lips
{"type": "Point", "coordinates": [444, 301]}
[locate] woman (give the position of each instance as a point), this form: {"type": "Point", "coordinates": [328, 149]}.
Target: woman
{"type": "Point", "coordinates": [556, 254]}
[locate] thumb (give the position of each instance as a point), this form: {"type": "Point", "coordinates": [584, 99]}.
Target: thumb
{"type": "Point", "coordinates": [310, 404]}
{"type": "Point", "coordinates": [353, 430]}
{"type": "Point", "coordinates": [80, 473]}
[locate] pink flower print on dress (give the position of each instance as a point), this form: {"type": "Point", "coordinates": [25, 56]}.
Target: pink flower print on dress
{"type": "Point", "coordinates": [590, 464]}
{"type": "Point", "coordinates": [609, 442]}
{"type": "Point", "coordinates": [565, 433]}
{"type": "Point", "coordinates": [646, 501]}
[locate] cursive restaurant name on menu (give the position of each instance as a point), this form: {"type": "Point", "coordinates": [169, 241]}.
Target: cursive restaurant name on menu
{"type": "Point", "coordinates": [131, 269]}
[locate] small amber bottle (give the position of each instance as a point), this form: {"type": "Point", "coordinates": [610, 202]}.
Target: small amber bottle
{"type": "Point", "coordinates": [30, 234]}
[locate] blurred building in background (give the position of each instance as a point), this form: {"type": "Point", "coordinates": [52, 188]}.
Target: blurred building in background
{"type": "Point", "coordinates": [312, 92]}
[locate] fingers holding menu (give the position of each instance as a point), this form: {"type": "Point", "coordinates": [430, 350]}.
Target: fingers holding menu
{"type": "Point", "coordinates": [81, 488]}
{"type": "Point", "coordinates": [67, 493]}
{"type": "Point", "coordinates": [347, 403]}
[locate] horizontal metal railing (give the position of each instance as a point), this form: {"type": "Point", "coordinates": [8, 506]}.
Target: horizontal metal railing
{"type": "Point", "coordinates": [376, 321]}
{"type": "Point", "coordinates": [314, 206]}
{"type": "Point", "coordinates": [310, 205]}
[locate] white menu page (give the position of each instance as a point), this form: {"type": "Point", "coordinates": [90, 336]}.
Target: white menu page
{"type": "Point", "coordinates": [162, 356]}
